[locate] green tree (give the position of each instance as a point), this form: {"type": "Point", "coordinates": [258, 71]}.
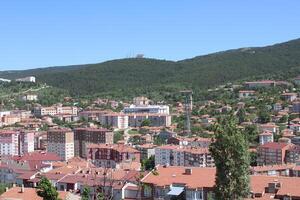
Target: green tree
{"type": "Point", "coordinates": [146, 122]}
{"type": "Point", "coordinates": [85, 193]}
{"type": "Point", "coordinates": [251, 133]}
{"type": "Point", "coordinates": [149, 163]}
{"type": "Point", "coordinates": [241, 114]}
{"type": "Point", "coordinates": [46, 190]}
{"type": "Point", "coordinates": [264, 114]}
{"type": "Point", "coordinates": [230, 152]}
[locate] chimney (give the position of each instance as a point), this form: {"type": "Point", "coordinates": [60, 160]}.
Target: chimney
{"type": "Point", "coordinates": [188, 171]}
{"type": "Point", "coordinates": [22, 188]}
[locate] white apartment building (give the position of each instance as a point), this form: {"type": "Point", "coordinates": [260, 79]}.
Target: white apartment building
{"type": "Point", "coordinates": [26, 142]}
{"type": "Point", "coordinates": [157, 109]}
{"type": "Point", "coordinates": [9, 142]}
{"type": "Point", "coordinates": [26, 79]}
{"type": "Point", "coordinates": [61, 142]}
{"type": "Point", "coordinates": [54, 110]}
{"type": "Point", "coordinates": [175, 155]}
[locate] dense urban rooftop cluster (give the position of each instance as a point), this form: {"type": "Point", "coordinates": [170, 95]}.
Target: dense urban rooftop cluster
{"type": "Point", "coordinates": [142, 149]}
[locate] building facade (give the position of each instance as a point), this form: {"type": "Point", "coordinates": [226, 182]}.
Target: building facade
{"type": "Point", "coordinates": [85, 136]}
{"type": "Point", "coordinates": [61, 142]}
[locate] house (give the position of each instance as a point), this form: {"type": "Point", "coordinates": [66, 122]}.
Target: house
{"type": "Point", "coordinates": [265, 137]}
{"type": "Point", "coordinates": [296, 107]}
{"type": "Point", "coordinates": [289, 96]}
{"type": "Point", "coordinates": [269, 127]}
{"type": "Point", "coordinates": [277, 107]}
{"type": "Point", "coordinates": [260, 84]}
{"type": "Point", "coordinates": [29, 97]}
{"type": "Point", "coordinates": [22, 193]}
{"type": "Point", "coordinates": [295, 127]}
{"type": "Point", "coordinates": [246, 93]}
{"type": "Point", "coordinates": [168, 182]}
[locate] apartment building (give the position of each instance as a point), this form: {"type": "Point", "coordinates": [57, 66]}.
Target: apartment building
{"type": "Point", "coordinates": [92, 114]}
{"type": "Point", "coordinates": [61, 142]}
{"type": "Point", "coordinates": [9, 142]}
{"type": "Point", "coordinates": [26, 79]}
{"type": "Point", "coordinates": [158, 109]}
{"type": "Point", "coordinates": [272, 153]}
{"type": "Point", "coordinates": [110, 155]}
{"type": "Point", "coordinates": [54, 110]}
{"type": "Point", "coordinates": [175, 155]}
{"type": "Point", "coordinates": [85, 136]}
{"type": "Point", "coordinates": [26, 142]}
{"type": "Point", "coordinates": [193, 142]}
{"type": "Point", "coordinates": [141, 105]}
{"type": "Point", "coordinates": [156, 120]}
{"type": "Point", "coordinates": [116, 120]}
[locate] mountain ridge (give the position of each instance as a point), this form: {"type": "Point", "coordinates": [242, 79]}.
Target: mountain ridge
{"type": "Point", "coordinates": [132, 76]}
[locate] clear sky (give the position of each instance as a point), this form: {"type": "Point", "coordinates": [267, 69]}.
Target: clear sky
{"type": "Point", "coordinates": [41, 33]}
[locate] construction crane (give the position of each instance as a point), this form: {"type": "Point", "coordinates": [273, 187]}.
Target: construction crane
{"type": "Point", "coordinates": [188, 106]}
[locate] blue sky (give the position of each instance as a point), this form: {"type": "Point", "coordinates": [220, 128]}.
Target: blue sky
{"type": "Point", "coordinates": [41, 33]}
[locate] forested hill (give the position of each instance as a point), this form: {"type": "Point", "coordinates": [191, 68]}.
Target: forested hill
{"type": "Point", "coordinates": [139, 76]}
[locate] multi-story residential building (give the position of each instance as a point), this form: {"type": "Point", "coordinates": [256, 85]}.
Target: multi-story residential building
{"type": "Point", "coordinates": [265, 137]}
{"type": "Point", "coordinates": [110, 155]}
{"type": "Point", "coordinates": [293, 154]}
{"type": "Point", "coordinates": [85, 136]}
{"type": "Point", "coordinates": [9, 142]}
{"type": "Point", "coordinates": [26, 79]}
{"type": "Point", "coordinates": [123, 120]}
{"type": "Point", "coordinates": [54, 110]}
{"type": "Point", "coordinates": [193, 142]}
{"type": "Point", "coordinates": [136, 119]}
{"type": "Point", "coordinates": [61, 142]}
{"type": "Point", "coordinates": [147, 150]}
{"type": "Point", "coordinates": [272, 153]}
{"type": "Point", "coordinates": [13, 142]}
{"type": "Point", "coordinates": [92, 114]}
{"type": "Point", "coordinates": [116, 120]}
{"type": "Point", "coordinates": [175, 155]}
{"type": "Point", "coordinates": [26, 142]}
{"type": "Point", "coordinates": [141, 105]}
{"type": "Point", "coordinates": [10, 119]}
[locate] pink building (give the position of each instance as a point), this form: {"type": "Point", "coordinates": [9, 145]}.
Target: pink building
{"type": "Point", "coordinates": [9, 142]}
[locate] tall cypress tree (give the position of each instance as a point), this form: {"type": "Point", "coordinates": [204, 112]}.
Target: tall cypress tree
{"type": "Point", "coordinates": [230, 152]}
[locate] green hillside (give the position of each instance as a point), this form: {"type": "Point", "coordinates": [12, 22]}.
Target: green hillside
{"type": "Point", "coordinates": [129, 77]}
